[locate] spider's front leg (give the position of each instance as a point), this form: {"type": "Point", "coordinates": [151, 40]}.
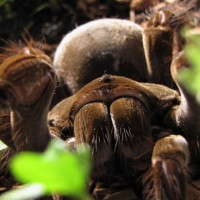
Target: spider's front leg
{"type": "Point", "coordinates": [27, 83]}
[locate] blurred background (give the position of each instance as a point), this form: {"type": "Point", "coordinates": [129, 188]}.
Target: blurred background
{"type": "Point", "coordinates": [51, 19]}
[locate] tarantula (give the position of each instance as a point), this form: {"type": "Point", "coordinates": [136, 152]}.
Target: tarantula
{"type": "Point", "coordinates": [141, 131]}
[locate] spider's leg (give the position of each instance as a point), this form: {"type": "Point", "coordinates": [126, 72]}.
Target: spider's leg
{"type": "Point", "coordinates": [169, 164]}
{"type": "Point", "coordinates": [185, 117]}
{"type": "Point", "coordinates": [27, 83]}
{"type": "Point", "coordinates": [162, 40]}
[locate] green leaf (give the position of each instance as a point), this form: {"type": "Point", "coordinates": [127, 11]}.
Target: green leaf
{"type": "Point", "coordinates": [191, 77]}
{"type": "Point", "coordinates": [58, 169]}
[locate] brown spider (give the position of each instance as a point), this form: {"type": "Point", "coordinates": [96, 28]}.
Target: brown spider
{"type": "Point", "coordinates": [141, 134]}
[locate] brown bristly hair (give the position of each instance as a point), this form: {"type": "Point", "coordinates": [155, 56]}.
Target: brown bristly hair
{"type": "Point", "coordinates": [13, 48]}
{"type": "Point", "coordinates": [180, 13]}
{"type": "Point", "coordinates": [5, 157]}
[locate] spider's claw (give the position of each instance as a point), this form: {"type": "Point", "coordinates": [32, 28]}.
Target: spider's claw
{"type": "Point", "coordinates": [169, 163]}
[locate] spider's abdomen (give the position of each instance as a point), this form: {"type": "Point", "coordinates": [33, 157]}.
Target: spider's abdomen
{"type": "Point", "coordinates": [107, 45]}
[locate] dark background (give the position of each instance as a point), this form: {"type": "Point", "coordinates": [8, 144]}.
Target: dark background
{"type": "Point", "coordinates": [52, 19]}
